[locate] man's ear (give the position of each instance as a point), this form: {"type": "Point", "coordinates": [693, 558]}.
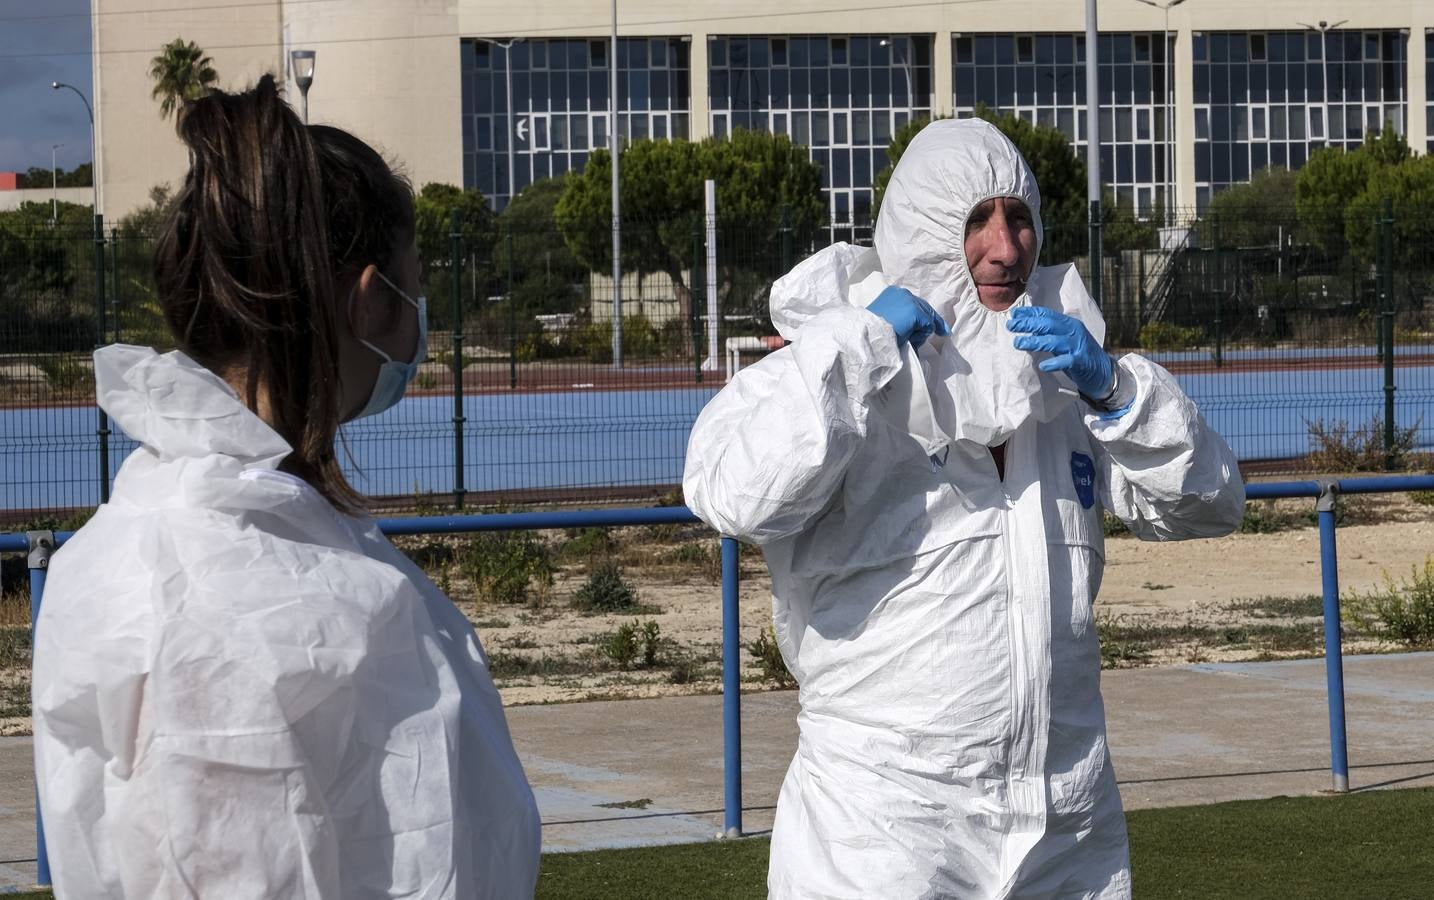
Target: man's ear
{"type": "Point", "coordinates": [364, 309]}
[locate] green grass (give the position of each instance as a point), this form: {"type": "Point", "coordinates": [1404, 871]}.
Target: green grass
{"type": "Point", "coordinates": [1373, 844]}
{"type": "Point", "coordinates": [1365, 845]}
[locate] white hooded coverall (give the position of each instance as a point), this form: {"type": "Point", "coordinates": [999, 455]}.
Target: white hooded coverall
{"type": "Point", "coordinates": [241, 693]}
{"type": "Point", "coordinates": [937, 617]}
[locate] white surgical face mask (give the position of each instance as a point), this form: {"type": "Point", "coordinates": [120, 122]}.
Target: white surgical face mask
{"type": "Point", "coordinates": [395, 375]}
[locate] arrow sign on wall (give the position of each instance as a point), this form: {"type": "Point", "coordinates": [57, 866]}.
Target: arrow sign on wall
{"type": "Point", "coordinates": [522, 129]}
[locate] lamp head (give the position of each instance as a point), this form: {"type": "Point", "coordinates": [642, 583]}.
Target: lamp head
{"type": "Point", "coordinates": [302, 64]}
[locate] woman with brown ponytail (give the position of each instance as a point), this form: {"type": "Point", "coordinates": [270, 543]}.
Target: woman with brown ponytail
{"type": "Point", "coordinates": [241, 689]}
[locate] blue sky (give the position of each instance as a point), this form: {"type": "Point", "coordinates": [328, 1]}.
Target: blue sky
{"type": "Point", "coordinates": [43, 41]}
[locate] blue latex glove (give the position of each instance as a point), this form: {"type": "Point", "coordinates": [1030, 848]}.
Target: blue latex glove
{"type": "Point", "coordinates": [1075, 351]}
{"type": "Point", "coordinates": [913, 318]}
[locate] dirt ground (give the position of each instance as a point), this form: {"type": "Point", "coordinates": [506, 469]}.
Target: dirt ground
{"type": "Point", "coordinates": [1246, 596]}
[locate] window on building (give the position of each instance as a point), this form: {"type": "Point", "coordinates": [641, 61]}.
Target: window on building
{"type": "Point", "coordinates": [1259, 123]}
{"type": "Point", "coordinates": [717, 53]}
{"type": "Point", "coordinates": [597, 54]}
{"type": "Point", "coordinates": [538, 54]}
{"type": "Point", "coordinates": [657, 53]}
{"type": "Point", "coordinates": [1316, 117]}
{"type": "Point", "coordinates": [1025, 48]}
{"type": "Point", "coordinates": [839, 51]}
{"type": "Point", "coordinates": [779, 51]}
{"type": "Point", "coordinates": [1257, 48]}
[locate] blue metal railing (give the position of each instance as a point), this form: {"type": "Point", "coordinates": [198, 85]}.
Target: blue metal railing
{"type": "Point", "coordinates": [39, 545]}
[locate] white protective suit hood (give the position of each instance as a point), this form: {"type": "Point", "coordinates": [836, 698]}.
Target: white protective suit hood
{"type": "Point", "coordinates": [974, 385]}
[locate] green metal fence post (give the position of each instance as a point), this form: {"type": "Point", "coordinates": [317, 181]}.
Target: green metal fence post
{"type": "Point", "coordinates": [512, 316]}
{"type": "Point", "coordinates": [1219, 293]}
{"type": "Point", "coordinates": [455, 237]}
{"type": "Point", "coordinates": [102, 431]}
{"type": "Point", "coordinates": [1095, 250]}
{"type": "Point", "coordinates": [785, 262]}
{"type": "Point", "coordinates": [694, 295]}
{"type": "Point", "coordinates": [115, 281]}
{"type": "Point", "coordinates": [1386, 303]}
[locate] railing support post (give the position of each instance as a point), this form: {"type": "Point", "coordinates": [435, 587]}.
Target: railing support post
{"type": "Point", "coordinates": [455, 237]}
{"type": "Point", "coordinates": [731, 691]}
{"type": "Point", "coordinates": [1333, 653]}
{"type": "Point", "coordinates": [41, 546]}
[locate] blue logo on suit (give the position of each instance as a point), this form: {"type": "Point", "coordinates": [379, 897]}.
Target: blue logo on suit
{"type": "Point", "coordinates": [1083, 474]}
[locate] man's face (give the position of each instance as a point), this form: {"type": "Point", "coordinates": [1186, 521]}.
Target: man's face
{"type": "Point", "coordinates": [1000, 250]}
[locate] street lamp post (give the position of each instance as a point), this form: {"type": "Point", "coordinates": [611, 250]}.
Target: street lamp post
{"type": "Point", "coordinates": [94, 157]}
{"type": "Point", "coordinates": [54, 187]}
{"type": "Point", "coordinates": [1169, 108]}
{"type": "Point", "coordinates": [1324, 28]}
{"type": "Point", "coordinates": [102, 431]}
{"type": "Point", "coordinates": [508, 90]}
{"type": "Point", "coordinates": [905, 68]}
{"type": "Point", "coordinates": [302, 64]}
{"type": "Point", "coordinates": [614, 150]}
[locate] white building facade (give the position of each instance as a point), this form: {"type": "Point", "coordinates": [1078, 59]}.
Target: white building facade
{"type": "Point", "coordinates": [1192, 99]}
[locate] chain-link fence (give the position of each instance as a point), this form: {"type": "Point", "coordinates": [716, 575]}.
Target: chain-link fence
{"type": "Point", "coordinates": [1297, 343]}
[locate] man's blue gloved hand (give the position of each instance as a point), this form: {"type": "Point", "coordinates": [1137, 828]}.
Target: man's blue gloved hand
{"type": "Point", "coordinates": [912, 317]}
{"type": "Point", "coordinates": [1075, 351]}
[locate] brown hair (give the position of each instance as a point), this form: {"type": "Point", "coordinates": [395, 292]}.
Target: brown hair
{"type": "Point", "coordinates": [272, 214]}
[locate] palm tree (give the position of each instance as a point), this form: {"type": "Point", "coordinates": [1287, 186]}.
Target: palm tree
{"type": "Point", "coordinates": [181, 72]}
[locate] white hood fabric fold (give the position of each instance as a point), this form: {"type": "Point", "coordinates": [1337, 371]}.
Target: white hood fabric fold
{"type": "Point", "coordinates": [239, 692]}
{"type": "Point", "coordinates": [974, 385]}
{"type": "Point", "coordinates": [939, 619]}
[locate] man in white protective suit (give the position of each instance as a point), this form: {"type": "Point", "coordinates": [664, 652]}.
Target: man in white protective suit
{"type": "Point", "coordinates": [925, 468]}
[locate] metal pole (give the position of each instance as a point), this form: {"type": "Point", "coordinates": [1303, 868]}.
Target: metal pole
{"type": "Point", "coordinates": [693, 322]}
{"type": "Point", "coordinates": [41, 546]}
{"type": "Point", "coordinates": [508, 76]}
{"type": "Point", "coordinates": [1219, 291]}
{"type": "Point", "coordinates": [612, 146]}
{"type": "Point", "coordinates": [1092, 147]}
{"type": "Point", "coordinates": [731, 692]}
{"type": "Point", "coordinates": [1333, 659]}
{"type": "Point", "coordinates": [102, 431]}
{"type": "Point", "coordinates": [1386, 292]}
{"type": "Point", "coordinates": [714, 314]}
{"type": "Point", "coordinates": [512, 318]}
{"type": "Point", "coordinates": [115, 281]}
{"type": "Point", "coordinates": [455, 236]}
{"type": "Point", "coordinates": [1169, 137]}
{"type": "Point", "coordinates": [54, 187]}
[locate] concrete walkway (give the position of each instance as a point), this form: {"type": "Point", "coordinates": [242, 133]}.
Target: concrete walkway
{"type": "Point", "coordinates": [632, 772]}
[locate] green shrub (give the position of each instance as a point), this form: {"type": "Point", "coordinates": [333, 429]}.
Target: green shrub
{"type": "Point", "coordinates": [768, 655]}
{"type": "Point", "coordinates": [504, 566]}
{"type": "Point", "coordinates": [1113, 526]}
{"type": "Point", "coordinates": [703, 557]}
{"type": "Point", "coordinates": [1263, 517]}
{"type": "Point", "coordinates": [1404, 613]}
{"type": "Point", "coordinates": [621, 646]}
{"type": "Point", "coordinates": [69, 375]}
{"type": "Point", "coordinates": [589, 544]}
{"type": "Point", "coordinates": [631, 640]}
{"type": "Point", "coordinates": [606, 590]}
{"type": "Point", "coordinates": [1165, 336]}
{"type": "Point", "coordinates": [1334, 448]}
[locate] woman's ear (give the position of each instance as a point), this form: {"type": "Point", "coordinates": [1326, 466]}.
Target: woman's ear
{"type": "Point", "coordinates": [365, 309]}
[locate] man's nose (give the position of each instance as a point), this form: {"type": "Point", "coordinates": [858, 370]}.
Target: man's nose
{"type": "Point", "coordinates": [1004, 248]}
